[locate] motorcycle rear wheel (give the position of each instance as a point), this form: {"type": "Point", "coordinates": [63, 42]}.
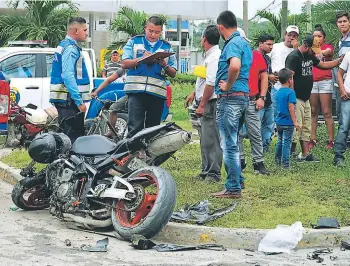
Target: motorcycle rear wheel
{"type": "Point", "coordinates": [154, 212]}
{"type": "Point", "coordinates": [30, 193]}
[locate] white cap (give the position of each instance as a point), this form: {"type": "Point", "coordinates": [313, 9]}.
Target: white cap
{"type": "Point", "coordinates": [242, 33]}
{"type": "Point", "coordinates": [292, 28]}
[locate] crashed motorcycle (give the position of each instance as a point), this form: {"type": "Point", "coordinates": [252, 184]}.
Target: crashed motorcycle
{"type": "Point", "coordinates": [98, 183]}
{"type": "Point", "coordinates": [27, 122]}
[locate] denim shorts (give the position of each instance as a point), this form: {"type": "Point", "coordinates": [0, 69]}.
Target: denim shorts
{"type": "Point", "coordinates": [323, 86]}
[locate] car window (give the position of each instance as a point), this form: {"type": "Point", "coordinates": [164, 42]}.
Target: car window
{"type": "Point", "coordinates": [49, 60]}
{"type": "Point", "coordinates": [19, 66]}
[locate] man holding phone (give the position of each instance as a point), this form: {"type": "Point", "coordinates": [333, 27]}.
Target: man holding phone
{"type": "Point", "coordinates": [145, 83]}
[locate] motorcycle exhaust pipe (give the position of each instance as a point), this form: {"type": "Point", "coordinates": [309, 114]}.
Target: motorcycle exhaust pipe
{"type": "Point", "coordinates": [88, 221]}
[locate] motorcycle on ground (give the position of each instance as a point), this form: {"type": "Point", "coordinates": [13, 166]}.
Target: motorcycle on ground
{"type": "Point", "coordinates": [98, 183]}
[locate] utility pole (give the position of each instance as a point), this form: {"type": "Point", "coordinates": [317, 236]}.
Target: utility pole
{"type": "Point", "coordinates": [308, 11]}
{"type": "Point", "coordinates": [284, 19]}
{"type": "Point", "coordinates": [245, 16]}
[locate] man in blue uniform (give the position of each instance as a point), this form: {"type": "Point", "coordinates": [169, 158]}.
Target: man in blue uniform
{"type": "Point", "coordinates": [145, 84]}
{"type": "Point", "coordinates": [70, 84]}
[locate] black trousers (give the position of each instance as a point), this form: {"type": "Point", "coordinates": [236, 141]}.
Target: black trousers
{"type": "Point", "coordinates": [70, 123]}
{"type": "Point", "coordinates": [145, 111]}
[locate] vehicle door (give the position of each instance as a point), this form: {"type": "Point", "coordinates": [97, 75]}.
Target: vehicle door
{"type": "Point", "coordinates": [25, 73]}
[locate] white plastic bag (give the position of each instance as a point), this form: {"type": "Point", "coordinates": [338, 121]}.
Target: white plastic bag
{"type": "Point", "coordinates": [283, 238]}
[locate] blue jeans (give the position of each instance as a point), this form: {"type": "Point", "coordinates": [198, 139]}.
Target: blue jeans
{"type": "Point", "coordinates": [267, 126]}
{"type": "Point", "coordinates": [343, 131]}
{"type": "Point", "coordinates": [283, 146]}
{"type": "Point", "coordinates": [274, 101]}
{"type": "Point", "coordinates": [229, 117]}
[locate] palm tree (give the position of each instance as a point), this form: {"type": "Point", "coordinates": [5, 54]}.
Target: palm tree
{"type": "Point", "coordinates": [43, 20]}
{"type": "Point", "coordinates": [325, 13]}
{"type": "Point", "coordinates": [131, 22]}
{"type": "Point", "coordinates": [275, 25]}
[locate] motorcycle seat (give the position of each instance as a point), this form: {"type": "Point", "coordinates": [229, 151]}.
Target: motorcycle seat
{"type": "Point", "coordinates": [93, 145]}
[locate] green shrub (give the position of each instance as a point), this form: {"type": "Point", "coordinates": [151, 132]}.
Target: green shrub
{"type": "Point", "coordinates": [184, 78]}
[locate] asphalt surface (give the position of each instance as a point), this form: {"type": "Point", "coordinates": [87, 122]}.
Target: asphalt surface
{"type": "Point", "coordinates": [37, 238]}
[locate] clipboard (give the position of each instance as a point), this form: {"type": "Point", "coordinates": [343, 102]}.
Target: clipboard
{"type": "Point", "coordinates": [153, 57]}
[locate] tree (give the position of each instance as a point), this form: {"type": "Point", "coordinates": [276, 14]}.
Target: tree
{"type": "Point", "coordinates": [276, 23]}
{"type": "Point", "coordinates": [131, 22]}
{"type": "Point", "coordinates": [325, 13]}
{"type": "Point", "coordinates": [43, 20]}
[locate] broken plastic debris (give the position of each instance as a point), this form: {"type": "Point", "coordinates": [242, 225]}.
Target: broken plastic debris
{"type": "Point", "coordinates": [200, 213]}
{"type": "Point", "coordinates": [67, 242]}
{"type": "Point", "coordinates": [326, 222]}
{"type": "Point", "coordinates": [14, 208]}
{"type": "Point", "coordinates": [101, 246]}
{"type": "Point", "coordinates": [316, 254]}
{"type": "Point", "coordinates": [345, 245]}
{"type": "Point", "coordinates": [282, 239]}
{"type": "Point", "coordinates": [140, 242]}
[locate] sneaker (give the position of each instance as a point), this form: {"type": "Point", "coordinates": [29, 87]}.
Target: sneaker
{"type": "Point", "coordinates": [330, 145]}
{"type": "Point", "coordinates": [200, 177]}
{"type": "Point", "coordinates": [259, 168]}
{"type": "Point", "coordinates": [293, 155]}
{"type": "Point", "coordinates": [308, 158]}
{"type": "Point", "coordinates": [312, 144]}
{"type": "Point", "coordinates": [228, 194]}
{"type": "Point", "coordinates": [243, 164]}
{"type": "Point", "coordinates": [339, 162]}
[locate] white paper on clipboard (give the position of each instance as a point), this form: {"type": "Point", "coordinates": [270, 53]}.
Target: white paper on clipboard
{"type": "Point", "coordinates": [153, 57]}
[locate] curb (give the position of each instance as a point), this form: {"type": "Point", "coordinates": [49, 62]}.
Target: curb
{"type": "Point", "coordinates": [185, 234]}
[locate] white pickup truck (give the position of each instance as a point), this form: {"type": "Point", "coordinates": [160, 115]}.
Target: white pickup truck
{"type": "Point", "coordinates": [29, 71]}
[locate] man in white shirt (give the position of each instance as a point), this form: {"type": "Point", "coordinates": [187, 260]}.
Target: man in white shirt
{"type": "Point", "coordinates": [344, 118]}
{"type": "Point", "coordinates": [278, 56]}
{"type": "Point", "coordinates": [205, 96]}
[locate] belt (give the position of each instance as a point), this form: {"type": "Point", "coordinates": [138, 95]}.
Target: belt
{"type": "Point", "coordinates": [235, 93]}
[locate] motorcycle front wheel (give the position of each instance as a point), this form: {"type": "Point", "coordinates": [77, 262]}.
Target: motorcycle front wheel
{"type": "Point", "coordinates": [30, 193]}
{"type": "Point", "coordinates": [152, 208]}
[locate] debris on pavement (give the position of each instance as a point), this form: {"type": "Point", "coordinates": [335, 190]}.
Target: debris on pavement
{"type": "Point", "coordinates": [101, 246]}
{"type": "Point", "coordinates": [67, 242]}
{"type": "Point", "coordinates": [142, 243]}
{"type": "Point", "coordinates": [200, 213]}
{"type": "Point", "coordinates": [282, 239]}
{"type": "Point", "coordinates": [316, 254]}
{"type": "Point", "coordinates": [333, 258]}
{"type": "Point", "coordinates": [14, 208]}
{"type": "Point", "coordinates": [326, 223]}
{"type": "Point", "coordinates": [345, 245]}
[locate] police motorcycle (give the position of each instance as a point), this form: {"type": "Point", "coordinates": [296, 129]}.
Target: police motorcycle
{"type": "Point", "coordinates": [98, 183]}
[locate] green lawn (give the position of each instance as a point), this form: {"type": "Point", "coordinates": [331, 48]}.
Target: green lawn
{"type": "Point", "coordinates": [304, 193]}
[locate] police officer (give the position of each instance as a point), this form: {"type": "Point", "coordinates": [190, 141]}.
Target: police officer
{"type": "Point", "coordinates": [145, 84]}
{"type": "Point", "coordinates": [70, 87]}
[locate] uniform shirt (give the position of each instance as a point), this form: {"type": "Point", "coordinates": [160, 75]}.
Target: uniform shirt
{"type": "Point", "coordinates": [235, 47]}
{"type": "Point", "coordinates": [284, 97]}
{"type": "Point", "coordinates": [278, 56]}
{"type": "Point", "coordinates": [211, 61]}
{"type": "Point", "coordinates": [344, 45]}
{"type": "Point", "coordinates": [345, 66]}
{"type": "Point", "coordinates": [70, 56]}
{"type": "Point", "coordinates": [111, 67]}
{"type": "Point", "coordinates": [128, 52]}
{"type": "Point", "coordinates": [258, 66]}
{"type": "Point", "coordinates": [302, 65]}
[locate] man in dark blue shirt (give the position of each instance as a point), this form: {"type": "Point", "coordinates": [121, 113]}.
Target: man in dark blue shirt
{"type": "Point", "coordinates": [232, 89]}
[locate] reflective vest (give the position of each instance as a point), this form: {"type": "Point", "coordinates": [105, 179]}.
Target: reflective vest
{"type": "Point", "coordinates": [58, 91]}
{"type": "Point", "coordinates": [147, 78]}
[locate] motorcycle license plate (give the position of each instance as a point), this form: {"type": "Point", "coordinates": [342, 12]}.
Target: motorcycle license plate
{"type": "Point", "coordinates": [136, 164]}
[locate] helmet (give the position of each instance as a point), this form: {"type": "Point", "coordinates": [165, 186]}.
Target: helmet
{"type": "Point", "coordinates": [43, 148]}
{"type": "Point", "coordinates": [63, 142]}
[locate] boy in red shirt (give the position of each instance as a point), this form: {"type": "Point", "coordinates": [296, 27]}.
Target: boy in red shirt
{"type": "Point", "coordinates": [258, 77]}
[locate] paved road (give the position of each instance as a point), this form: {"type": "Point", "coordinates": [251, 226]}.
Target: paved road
{"type": "Point", "coordinates": [36, 238]}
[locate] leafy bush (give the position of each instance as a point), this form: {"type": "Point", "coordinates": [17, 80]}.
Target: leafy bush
{"type": "Point", "coordinates": [184, 78]}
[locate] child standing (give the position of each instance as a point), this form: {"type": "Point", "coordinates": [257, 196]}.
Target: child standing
{"type": "Point", "coordinates": [285, 119]}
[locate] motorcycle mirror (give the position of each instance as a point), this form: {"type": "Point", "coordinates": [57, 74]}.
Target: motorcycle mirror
{"type": "Point", "coordinates": [32, 106]}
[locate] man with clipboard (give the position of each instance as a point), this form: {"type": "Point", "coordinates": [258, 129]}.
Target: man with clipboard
{"type": "Point", "coordinates": [148, 60]}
